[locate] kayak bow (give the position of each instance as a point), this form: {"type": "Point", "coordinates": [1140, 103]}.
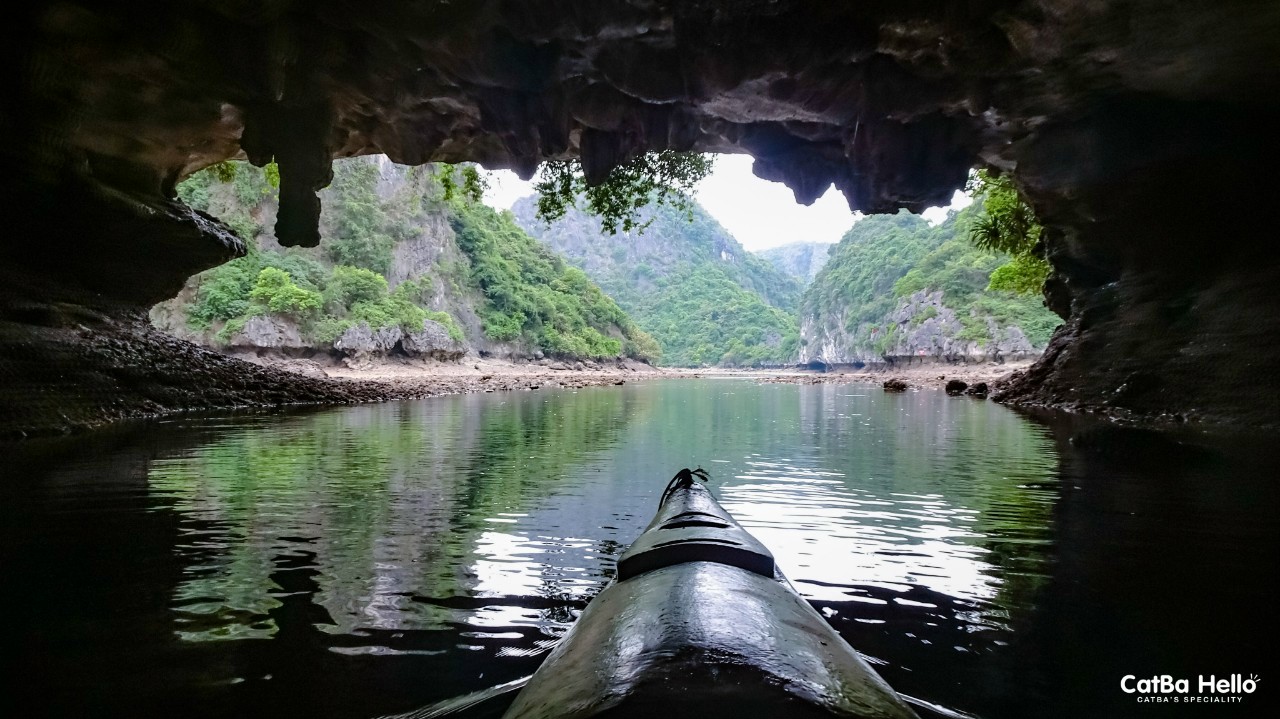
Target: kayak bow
{"type": "Point", "coordinates": [700, 622]}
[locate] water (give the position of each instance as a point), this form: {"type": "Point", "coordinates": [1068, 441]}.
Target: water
{"type": "Point", "coordinates": [367, 560]}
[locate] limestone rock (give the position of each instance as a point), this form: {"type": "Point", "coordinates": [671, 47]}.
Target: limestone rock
{"type": "Point", "coordinates": [939, 337]}
{"type": "Point", "coordinates": [359, 340]}
{"type": "Point", "coordinates": [268, 332]}
{"type": "Point", "coordinates": [433, 341]}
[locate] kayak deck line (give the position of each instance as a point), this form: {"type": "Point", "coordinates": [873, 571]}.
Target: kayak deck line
{"type": "Point", "coordinates": [700, 622]}
{"type": "Point", "coordinates": [696, 529]}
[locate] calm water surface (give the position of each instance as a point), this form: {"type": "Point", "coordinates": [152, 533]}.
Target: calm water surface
{"type": "Point", "coordinates": [368, 560]}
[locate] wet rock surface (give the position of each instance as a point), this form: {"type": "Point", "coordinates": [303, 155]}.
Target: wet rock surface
{"type": "Point", "coordinates": [895, 385]}
{"type": "Point", "coordinates": [107, 368]}
{"type": "Point", "coordinates": [1129, 125]}
{"type": "Point", "coordinates": [924, 376]}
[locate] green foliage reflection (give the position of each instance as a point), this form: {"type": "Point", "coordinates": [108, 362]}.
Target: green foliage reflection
{"type": "Point", "coordinates": [390, 499]}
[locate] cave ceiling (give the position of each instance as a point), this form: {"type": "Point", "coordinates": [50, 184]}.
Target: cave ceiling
{"type": "Point", "coordinates": [892, 101]}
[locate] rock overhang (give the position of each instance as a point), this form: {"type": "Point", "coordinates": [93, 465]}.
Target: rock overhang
{"type": "Point", "coordinates": [1135, 128]}
{"type": "Point", "coordinates": [890, 102]}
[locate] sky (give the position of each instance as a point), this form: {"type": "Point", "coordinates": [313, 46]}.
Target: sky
{"type": "Point", "coordinates": [759, 213]}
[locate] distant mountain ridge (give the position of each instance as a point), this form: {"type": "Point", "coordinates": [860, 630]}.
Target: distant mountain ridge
{"type": "Point", "coordinates": [690, 284]}
{"type": "Point", "coordinates": [801, 260]}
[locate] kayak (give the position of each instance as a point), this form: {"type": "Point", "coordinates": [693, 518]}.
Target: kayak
{"type": "Point", "coordinates": [700, 622]}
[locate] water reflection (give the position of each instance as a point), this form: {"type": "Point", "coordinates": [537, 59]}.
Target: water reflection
{"type": "Point", "coordinates": [894, 541]}
{"type": "Point", "coordinates": [387, 506]}
{"type": "Point", "coordinates": [373, 559]}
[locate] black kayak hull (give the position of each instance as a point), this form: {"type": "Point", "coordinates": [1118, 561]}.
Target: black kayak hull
{"type": "Point", "coordinates": [686, 634]}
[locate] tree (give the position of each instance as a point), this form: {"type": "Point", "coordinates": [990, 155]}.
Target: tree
{"type": "Point", "coordinates": [349, 285]}
{"type": "Point", "coordinates": [1008, 225]}
{"type": "Point", "coordinates": [661, 178]}
{"type": "Point", "coordinates": [276, 291]}
{"type": "Point", "coordinates": [360, 237]}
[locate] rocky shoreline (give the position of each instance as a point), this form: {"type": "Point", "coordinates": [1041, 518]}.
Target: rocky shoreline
{"type": "Point", "coordinates": [92, 369]}
{"type": "Point", "coordinates": [935, 375]}
{"type": "Point", "coordinates": [417, 378]}
{"type": "Point", "coordinates": [95, 369]}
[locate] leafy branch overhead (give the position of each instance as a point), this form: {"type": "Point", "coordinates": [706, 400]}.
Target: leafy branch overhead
{"type": "Point", "coordinates": [660, 178]}
{"type": "Point", "coordinates": [474, 185]}
{"type": "Point", "coordinates": [1008, 225]}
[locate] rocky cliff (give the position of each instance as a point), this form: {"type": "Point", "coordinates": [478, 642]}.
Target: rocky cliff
{"type": "Point", "coordinates": [801, 260]}
{"type": "Point", "coordinates": [897, 290]}
{"type": "Point", "coordinates": [1127, 123]}
{"type": "Point", "coordinates": [393, 278]}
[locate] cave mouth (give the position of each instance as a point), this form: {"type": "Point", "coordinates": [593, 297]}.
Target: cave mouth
{"type": "Point", "coordinates": [1132, 129]}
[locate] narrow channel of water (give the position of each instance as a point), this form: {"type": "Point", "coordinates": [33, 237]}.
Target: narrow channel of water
{"type": "Point", "coordinates": [367, 560]}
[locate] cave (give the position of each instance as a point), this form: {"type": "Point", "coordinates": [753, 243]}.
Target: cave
{"type": "Point", "coordinates": [816, 365]}
{"type": "Point", "coordinates": [1138, 130]}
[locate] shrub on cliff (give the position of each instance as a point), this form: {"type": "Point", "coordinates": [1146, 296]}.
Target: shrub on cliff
{"type": "Point", "coordinates": [276, 291]}
{"type": "Point", "coordinates": [349, 285]}
{"type": "Point", "coordinates": [1008, 225]}
{"type": "Point", "coordinates": [361, 236]}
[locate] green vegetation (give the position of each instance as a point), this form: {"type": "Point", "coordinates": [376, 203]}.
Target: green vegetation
{"type": "Point", "coordinates": [522, 292]}
{"type": "Point", "coordinates": [532, 294]}
{"type": "Point", "coordinates": [686, 281]}
{"type": "Point", "coordinates": [658, 178]}
{"type": "Point", "coordinates": [276, 291]}
{"type": "Point", "coordinates": [322, 302]}
{"type": "Point", "coordinates": [432, 477]}
{"type": "Point", "coordinates": [866, 296]}
{"type": "Point", "coordinates": [683, 290]}
{"type": "Point", "coordinates": [473, 183]}
{"type": "Point", "coordinates": [250, 187]}
{"type": "Point", "coordinates": [322, 292]}
{"type": "Point", "coordinates": [361, 234]}
{"type": "Point", "coordinates": [858, 279]}
{"type": "Point", "coordinates": [703, 317]}
{"type": "Point", "coordinates": [258, 284]}
{"type": "Point", "coordinates": [963, 273]}
{"type": "Point", "coordinates": [1008, 225]}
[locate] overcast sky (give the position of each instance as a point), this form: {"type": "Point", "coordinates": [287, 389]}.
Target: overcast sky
{"type": "Point", "coordinates": [759, 213]}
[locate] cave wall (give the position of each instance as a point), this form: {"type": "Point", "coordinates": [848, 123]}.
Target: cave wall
{"type": "Point", "coordinates": [1136, 128]}
{"type": "Point", "coordinates": [1164, 264]}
